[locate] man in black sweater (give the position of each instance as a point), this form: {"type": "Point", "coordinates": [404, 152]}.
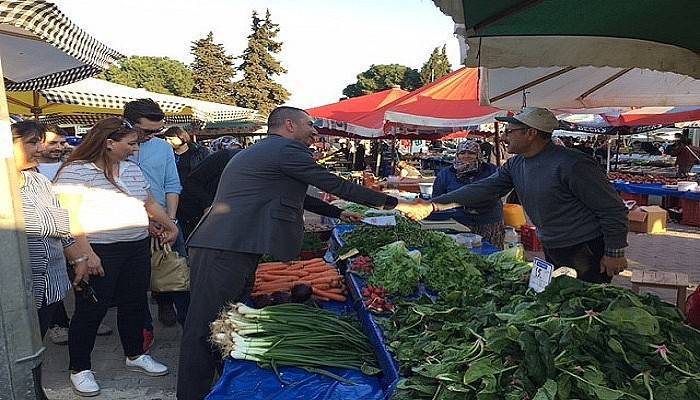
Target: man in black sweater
{"type": "Point", "coordinates": [580, 219]}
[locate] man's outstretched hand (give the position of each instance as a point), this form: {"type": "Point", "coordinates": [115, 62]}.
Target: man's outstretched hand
{"type": "Point", "coordinates": [416, 210]}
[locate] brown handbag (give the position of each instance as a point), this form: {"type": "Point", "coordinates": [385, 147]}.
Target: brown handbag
{"type": "Point", "coordinates": [169, 270]}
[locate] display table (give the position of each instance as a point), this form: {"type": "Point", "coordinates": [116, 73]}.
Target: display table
{"type": "Point", "coordinates": [654, 190]}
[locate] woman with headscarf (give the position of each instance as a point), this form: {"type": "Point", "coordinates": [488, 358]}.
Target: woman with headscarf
{"type": "Point", "coordinates": [469, 167]}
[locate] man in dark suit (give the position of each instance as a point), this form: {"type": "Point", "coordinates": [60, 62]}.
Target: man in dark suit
{"type": "Point", "coordinates": [257, 210]}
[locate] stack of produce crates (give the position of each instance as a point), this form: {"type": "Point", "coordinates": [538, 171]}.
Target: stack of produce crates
{"type": "Point", "coordinates": [528, 237]}
{"type": "Point", "coordinates": [691, 212]}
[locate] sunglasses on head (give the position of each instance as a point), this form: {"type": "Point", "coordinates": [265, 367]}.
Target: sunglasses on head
{"type": "Point", "coordinates": [129, 124]}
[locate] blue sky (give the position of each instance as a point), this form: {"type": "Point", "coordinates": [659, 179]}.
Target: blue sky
{"type": "Point", "coordinates": [326, 43]}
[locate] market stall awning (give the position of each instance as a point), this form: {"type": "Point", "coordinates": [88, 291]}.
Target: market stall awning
{"type": "Point", "coordinates": [87, 96]}
{"type": "Point", "coordinates": [585, 88]}
{"type": "Point", "coordinates": [41, 48]}
{"type": "Point", "coordinates": [350, 109]}
{"type": "Point", "coordinates": [654, 116]}
{"type": "Point", "coordinates": [92, 99]}
{"type": "Point", "coordinates": [546, 33]}
{"type": "Point", "coordinates": [450, 102]}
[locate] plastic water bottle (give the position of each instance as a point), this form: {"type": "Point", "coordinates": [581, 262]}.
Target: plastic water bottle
{"type": "Point", "coordinates": [511, 238]}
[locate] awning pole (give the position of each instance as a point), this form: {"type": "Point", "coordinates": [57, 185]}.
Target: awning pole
{"type": "Point", "coordinates": [36, 110]}
{"type": "Point", "coordinates": [497, 144]}
{"type": "Point", "coordinates": [608, 158]}
{"type": "Point", "coordinates": [21, 347]}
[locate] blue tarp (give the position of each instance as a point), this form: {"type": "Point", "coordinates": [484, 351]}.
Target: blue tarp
{"type": "Point", "coordinates": [246, 380]}
{"type": "Point", "coordinates": [654, 190]}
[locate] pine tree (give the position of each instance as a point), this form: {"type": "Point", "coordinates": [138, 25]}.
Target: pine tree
{"type": "Point", "coordinates": [384, 76]}
{"type": "Point", "coordinates": [257, 89]}
{"type": "Point", "coordinates": [436, 67]}
{"type": "Point", "coordinates": [213, 71]}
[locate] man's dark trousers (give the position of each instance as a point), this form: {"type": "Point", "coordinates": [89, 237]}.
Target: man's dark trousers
{"type": "Point", "coordinates": [584, 258]}
{"type": "Point", "coordinates": [218, 277]}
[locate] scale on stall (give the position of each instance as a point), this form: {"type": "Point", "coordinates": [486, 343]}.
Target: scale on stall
{"type": "Point", "coordinates": [446, 226]}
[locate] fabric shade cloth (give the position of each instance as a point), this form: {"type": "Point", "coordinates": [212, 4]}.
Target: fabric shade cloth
{"type": "Point", "coordinates": [336, 116]}
{"type": "Point", "coordinates": [654, 116]}
{"type": "Point", "coordinates": [439, 108]}
{"type": "Point", "coordinates": [546, 33]}
{"type": "Point", "coordinates": [585, 88]}
{"type": "Point", "coordinates": [92, 99]}
{"type": "Point", "coordinates": [450, 102]}
{"type": "Point", "coordinates": [41, 48]}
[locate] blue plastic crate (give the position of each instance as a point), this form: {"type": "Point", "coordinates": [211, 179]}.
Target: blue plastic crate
{"type": "Point", "coordinates": [390, 367]}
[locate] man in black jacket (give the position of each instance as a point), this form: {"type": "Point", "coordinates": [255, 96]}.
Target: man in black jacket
{"type": "Point", "coordinates": [257, 210]}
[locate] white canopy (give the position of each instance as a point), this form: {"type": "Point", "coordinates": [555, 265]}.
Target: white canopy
{"type": "Point", "coordinates": [585, 87]}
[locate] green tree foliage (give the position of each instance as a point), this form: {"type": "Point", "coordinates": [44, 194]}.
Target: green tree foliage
{"type": "Point", "coordinates": [213, 71]}
{"type": "Point", "coordinates": [157, 74]}
{"type": "Point", "coordinates": [257, 89]}
{"type": "Point", "coordinates": [436, 67]}
{"type": "Point", "coordinates": [381, 77]}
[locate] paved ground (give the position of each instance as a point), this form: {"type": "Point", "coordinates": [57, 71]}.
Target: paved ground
{"type": "Point", "coordinates": [676, 250]}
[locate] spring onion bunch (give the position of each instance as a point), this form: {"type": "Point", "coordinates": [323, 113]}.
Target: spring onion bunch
{"type": "Point", "coordinates": [292, 335]}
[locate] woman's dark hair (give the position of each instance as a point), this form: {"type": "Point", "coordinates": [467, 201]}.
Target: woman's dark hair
{"type": "Point", "coordinates": [176, 131]}
{"type": "Point", "coordinates": [93, 149]}
{"type": "Point", "coordinates": [28, 129]}
{"type": "Point", "coordinates": [143, 108]}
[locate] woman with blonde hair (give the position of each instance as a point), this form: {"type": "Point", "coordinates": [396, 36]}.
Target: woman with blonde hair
{"type": "Point", "coordinates": [109, 198]}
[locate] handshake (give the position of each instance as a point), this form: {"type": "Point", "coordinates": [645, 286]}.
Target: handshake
{"type": "Point", "coordinates": [415, 210]}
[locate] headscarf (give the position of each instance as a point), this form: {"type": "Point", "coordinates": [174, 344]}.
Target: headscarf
{"type": "Point", "coordinates": [224, 143]}
{"type": "Point", "coordinates": [464, 169]}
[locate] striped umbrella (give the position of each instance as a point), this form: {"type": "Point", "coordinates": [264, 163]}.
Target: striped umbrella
{"type": "Point", "coordinates": [41, 48]}
{"type": "Point", "coordinates": [92, 99]}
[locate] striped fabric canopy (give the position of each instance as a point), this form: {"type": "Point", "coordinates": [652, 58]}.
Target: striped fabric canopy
{"type": "Point", "coordinates": [41, 48]}
{"type": "Point", "coordinates": [91, 99]}
{"type": "Point", "coordinates": [88, 119]}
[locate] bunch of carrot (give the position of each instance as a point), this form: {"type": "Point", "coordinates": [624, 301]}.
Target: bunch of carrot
{"type": "Point", "coordinates": [323, 278]}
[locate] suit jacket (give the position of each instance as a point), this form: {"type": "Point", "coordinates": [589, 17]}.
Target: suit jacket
{"type": "Point", "coordinates": [258, 207]}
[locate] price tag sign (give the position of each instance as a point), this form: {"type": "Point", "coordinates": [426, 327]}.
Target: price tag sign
{"type": "Point", "coordinates": [388, 220]}
{"type": "Point", "coordinates": [541, 275]}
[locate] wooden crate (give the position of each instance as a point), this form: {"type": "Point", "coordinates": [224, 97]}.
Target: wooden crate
{"type": "Point", "coordinates": [664, 280]}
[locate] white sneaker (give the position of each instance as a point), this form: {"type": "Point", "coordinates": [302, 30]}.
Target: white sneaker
{"type": "Point", "coordinates": [103, 330]}
{"type": "Point", "coordinates": [147, 365]}
{"type": "Point", "coordinates": [58, 335]}
{"type": "Point", "coordinates": [84, 383]}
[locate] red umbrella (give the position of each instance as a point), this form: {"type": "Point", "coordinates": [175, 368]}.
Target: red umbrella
{"type": "Point", "coordinates": [355, 107]}
{"type": "Point", "coordinates": [450, 102]}
{"type": "Point", "coordinates": [654, 116]}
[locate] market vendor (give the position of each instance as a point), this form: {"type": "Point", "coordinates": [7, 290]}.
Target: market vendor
{"type": "Point", "coordinates": [687, 155]}
{"type": "Point", "coordinates": [581, 221]}
{"type": "Point", "coordinates": [257, 210]}
{"type": "Point", "coordinates": [468, 168]}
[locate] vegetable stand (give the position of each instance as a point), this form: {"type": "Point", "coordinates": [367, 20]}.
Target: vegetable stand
{"type": "Point", "coordinates": [489, 337]}
{"type": "Point", "coordinates": [369, 321]}
{"type": "Point", "coordinates": [245, 379]}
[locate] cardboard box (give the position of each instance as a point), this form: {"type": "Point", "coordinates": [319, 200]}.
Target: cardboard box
{"type": "Point", "coordinates": [648, 219]}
